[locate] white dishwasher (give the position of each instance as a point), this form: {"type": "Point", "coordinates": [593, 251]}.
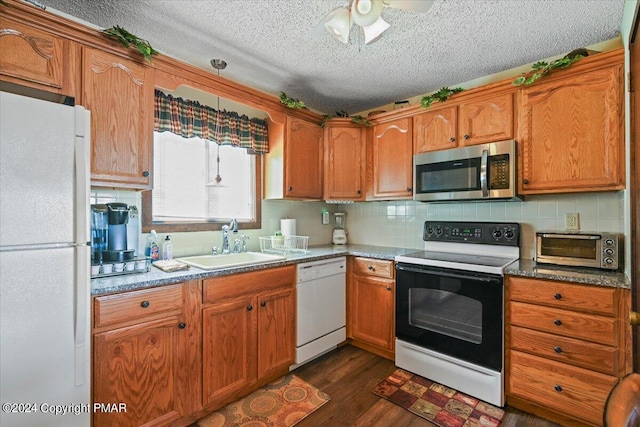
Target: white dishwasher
{"type": "Point", "coordinates": [321, 307]}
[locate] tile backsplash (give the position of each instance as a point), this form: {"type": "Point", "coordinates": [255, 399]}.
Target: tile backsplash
{"type": "Point", "coordinates": [398, 223]}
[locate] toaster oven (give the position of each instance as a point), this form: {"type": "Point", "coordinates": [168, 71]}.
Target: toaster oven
{"type": "Point", "coordinates": [580, 249]}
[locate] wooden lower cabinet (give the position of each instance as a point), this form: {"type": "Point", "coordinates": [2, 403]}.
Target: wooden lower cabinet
{"type": "Point", "coordinates": [146, 359]}
{"type": "Point", "coordinates": [567, 346]}
{"type": "Point", "coordinates": [371, 305]}
{"type": "Point", "coordinates": [248, 332]}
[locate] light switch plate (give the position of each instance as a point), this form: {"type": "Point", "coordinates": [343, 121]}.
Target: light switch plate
{"type": "Point", "coordinates": [572, 221]}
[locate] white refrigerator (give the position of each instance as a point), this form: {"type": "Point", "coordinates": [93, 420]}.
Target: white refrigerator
{"type": "Point", "coordinates": [44, 263]}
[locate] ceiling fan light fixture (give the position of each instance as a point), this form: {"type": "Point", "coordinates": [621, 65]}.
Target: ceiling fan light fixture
{"type": "Point", "coordinates": [373, 32]}
{"type": "Point", "coordinates": [339, 24]}
{"type": "Point", "coordinates": [366, 12]}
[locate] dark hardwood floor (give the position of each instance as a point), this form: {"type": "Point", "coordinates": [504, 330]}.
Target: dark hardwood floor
{"type": "Point", "coordinates": [348, 375]}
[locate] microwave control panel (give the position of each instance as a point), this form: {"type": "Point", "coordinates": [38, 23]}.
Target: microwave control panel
{"type": "Point", "coordinates": [495, 233]}
{"type": "Point", "coordinates": [499, 172]}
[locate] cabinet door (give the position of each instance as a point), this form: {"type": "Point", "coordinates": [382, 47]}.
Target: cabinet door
{"type": "Point", "coordinates": [486, 120]}
{"type": "Point", "coordinates": [392, 155]}
{"type": "Point", "coordinates": [435, 130]}
{"type": "Point", "coordinates": [345, 162]}
{"type": "Point", "coordinates": [276, 331]}
{"type": "Point", "coordinates": [372, 310]}
{"type": "Point", "coordinates": [139, 366]}
{"type": "Point", "coordinates": [119, 93]}
{"type": "Point", "coordinates": [303, 159]}
{"type": "Point", "coordinates": [32, 56]}
{"type": "Point", "coordinates": [571, 134]}
{"type": "Point", "coordinates": [228, 348]}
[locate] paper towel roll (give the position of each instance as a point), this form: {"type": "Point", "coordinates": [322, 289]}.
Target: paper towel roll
{"type": "Point", "coordinates": [288, 227]}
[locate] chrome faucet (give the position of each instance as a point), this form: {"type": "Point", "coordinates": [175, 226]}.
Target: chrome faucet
{"type": "Point", "coordinates": [233, 226]}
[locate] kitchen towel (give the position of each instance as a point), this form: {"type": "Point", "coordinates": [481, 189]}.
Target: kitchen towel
{"type": "Point", "coordinates": [288, 227]}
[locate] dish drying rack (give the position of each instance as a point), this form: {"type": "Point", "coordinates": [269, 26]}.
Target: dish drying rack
{"type": "Point", "coordinates": [284, 244]}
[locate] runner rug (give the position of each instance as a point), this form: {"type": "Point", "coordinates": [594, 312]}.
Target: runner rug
{"type": "Point", "coordinates": [440, 405]}
{"type": "Point", "coordinates": [282, 403]}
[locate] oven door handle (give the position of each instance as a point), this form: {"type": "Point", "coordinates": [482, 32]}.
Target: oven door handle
{"type": "Point", "coordinates": [483, 173]}
{"type": "Point", "coordinates": [448, 274]}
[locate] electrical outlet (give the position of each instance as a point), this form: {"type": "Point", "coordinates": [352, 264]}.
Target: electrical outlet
{"type": "Point", "coordinates": [572, 221]}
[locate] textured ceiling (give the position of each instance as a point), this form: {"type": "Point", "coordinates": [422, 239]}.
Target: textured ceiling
{"type": "Point", "coordinates": [267, 45]}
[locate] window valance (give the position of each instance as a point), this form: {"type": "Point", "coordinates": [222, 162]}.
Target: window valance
{"type": "Point", "coordinates": [190, 119]}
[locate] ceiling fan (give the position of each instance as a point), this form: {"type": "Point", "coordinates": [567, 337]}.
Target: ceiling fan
{"type": "Point", "coordinates": [367, 14]}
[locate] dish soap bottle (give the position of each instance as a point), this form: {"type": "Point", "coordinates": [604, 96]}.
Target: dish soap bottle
{"type": "Point", "coordinates": [167, 248]}
{"type": "Point", "coordinates": [152, 251]}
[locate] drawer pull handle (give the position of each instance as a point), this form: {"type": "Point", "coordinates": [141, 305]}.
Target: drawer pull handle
{"type": "Point", "coordinates": [144, 304]}
{"type": "Point", "coordinates": [370, 268]}
{"type": "Point", "coordinates": [182, 325]}
{"type": "Point", "coordinates": [388, 288]}
{"type": "Point", "coordinates": [557, 388]}
{"type": "Point", "coordinates": [557, 322]}
{"type": "Point", "coordinates": [263, 304]}
{"type": "Point", "coordinates": [249, 307]}
{"type": "Point", "coordinates": [557, 296]}
{"type": "Point", "coordinates": [557, 349]}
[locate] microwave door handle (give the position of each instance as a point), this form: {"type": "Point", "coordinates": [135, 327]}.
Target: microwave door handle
{"type": "Point", "coordinates": [572, 236]}
{"type": "Point", "coordinates": [483, 173]}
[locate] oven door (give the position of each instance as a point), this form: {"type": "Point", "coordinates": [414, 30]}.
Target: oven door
{"type": "Point", "coordinates": [453, 312]}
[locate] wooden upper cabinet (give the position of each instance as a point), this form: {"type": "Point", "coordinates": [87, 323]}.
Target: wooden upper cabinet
{"type": "Point", "coordinates": [119, 93]}
{"type": "Point", "coordinates": [392, 158]}
{"type": "Point", "coordinates": [35, 58]}
{"type": "Point", "coordinates": [486, 119]}
{"type": "Point", "coordinates": [435, 130]}
{"type": "Point", "coordinates": [293, 165]}
{"type": "Point", "coordinates": [345, 158]}
{"type": "Point", "coordinates": [571, 134]}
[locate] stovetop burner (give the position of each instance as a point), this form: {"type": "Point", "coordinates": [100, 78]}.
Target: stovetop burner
{"type": "Point", "coordinates": [489, 261]}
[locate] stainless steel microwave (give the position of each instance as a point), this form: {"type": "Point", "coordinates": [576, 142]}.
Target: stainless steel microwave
{"type": "Point", "coordinates": [477, 172]}
{"type": "Point", "coordinates": [580, 249]}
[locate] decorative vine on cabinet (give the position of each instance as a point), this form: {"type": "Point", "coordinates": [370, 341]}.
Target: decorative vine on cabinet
{"type": "Point", "coordinates": [119, 94]}
{"type": "Point", "coordinates": [293, 165]}
{"type": "Point", "coordinates": [38, 59]}
{"type": "Point", "coordinates": [392, 160]}
{"type": "Point", "coordinates": [571, 133]}
{"type": "Point", "coordinates": [344, 160]}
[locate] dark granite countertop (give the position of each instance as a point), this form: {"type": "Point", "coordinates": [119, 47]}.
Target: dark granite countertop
{"type": "Point", "coordinates": [580, 275]}
{"type": "Point", "coordinates": [156, 277]}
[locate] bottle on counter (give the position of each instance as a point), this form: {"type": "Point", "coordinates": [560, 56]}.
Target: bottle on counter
{"type": "Point", "coordinates": [151, 249]}
{"type": "Point", "coordinates": [167, 248]}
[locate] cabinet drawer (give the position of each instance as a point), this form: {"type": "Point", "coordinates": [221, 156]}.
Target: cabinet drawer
{"type": "Point", "coordinates": [563, 295]}
{"type": "Point", "coordinates": [234, 285]}
{"type": "Point", "coordinates": [373, 267]}
{"type": "Point", "coordinates": [585, 354]}
{"type": "Point", "coordinates": [574, 391]}
{"type": "Point", "coordinates": [134, 305]}
{"type": "Point", "coordinates": [590, 327]}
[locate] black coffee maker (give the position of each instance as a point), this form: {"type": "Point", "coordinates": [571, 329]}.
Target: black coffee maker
{"type": "Point", "coordinates": [117, 217]}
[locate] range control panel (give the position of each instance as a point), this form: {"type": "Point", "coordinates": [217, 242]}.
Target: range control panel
{"type": "Point", "coordinates": [492, 233]}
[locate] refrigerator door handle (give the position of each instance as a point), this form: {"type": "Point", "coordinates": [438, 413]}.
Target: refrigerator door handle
{"type": "Point", "coordinates": [82, 173]}
{"type": "Point", "coordinates": [83, 254]}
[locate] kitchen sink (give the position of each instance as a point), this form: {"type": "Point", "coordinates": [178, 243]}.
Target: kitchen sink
{"type": "Point", "coordinates": [214, 262]}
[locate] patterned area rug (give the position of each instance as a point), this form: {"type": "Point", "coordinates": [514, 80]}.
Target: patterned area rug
{"type": "Point", "coordinates": [282, 403]}
{"type": "Point", "coordinates": [440, 405]}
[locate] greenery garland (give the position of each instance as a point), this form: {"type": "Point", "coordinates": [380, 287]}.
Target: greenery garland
{"type": "Point", "coordinates": [360, 120]}
{"type": "Point", "coordinates": [127, 39]}
{"type": "Point", "coordinates": [542, 68]}
{"type": "Point", "coordinates": [441, 96]}
{"type": "Point", "coordinates": [290, 102]}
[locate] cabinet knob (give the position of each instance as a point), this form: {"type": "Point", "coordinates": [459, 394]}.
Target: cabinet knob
{"type": "Point", "coordinates": [557, 295]}
{"type": "Point", "coordinates": [144, 304]}
{"type": "Point", "coordinates": [557, 322]}
{"type": "Point", "coordinates": [249, 307]}
{"type": "Point", "coordinates": [263, 304]}
{"type": "Point", "coordinates": [359, 192]}
{"type": "Point", "coordinates": [409, 189]}
{"type": "Point", "coordinates": [145, 174]}
{"type": "Point", "coordinates": [182, 325]}
{"type": "Point", "coordinates": [557, 388]}
{"type": "Point", "coordinates": [525, 181]}
{"type": "Point", "coordinates": [290, 188]}
{"type": "Point", "coordinates": [370, 268]}
{"type": "Point", "coordinates": [557, 349]}
{"type": "Point", "coordinates": [452, 139]}
{"type": "Point", "coordinates": [466, 137]}
{"type": "Point", "coordinates": [388, 288]}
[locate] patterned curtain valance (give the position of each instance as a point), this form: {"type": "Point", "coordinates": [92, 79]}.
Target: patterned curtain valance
{"type": "Point", "coordinates": [190, 119]}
